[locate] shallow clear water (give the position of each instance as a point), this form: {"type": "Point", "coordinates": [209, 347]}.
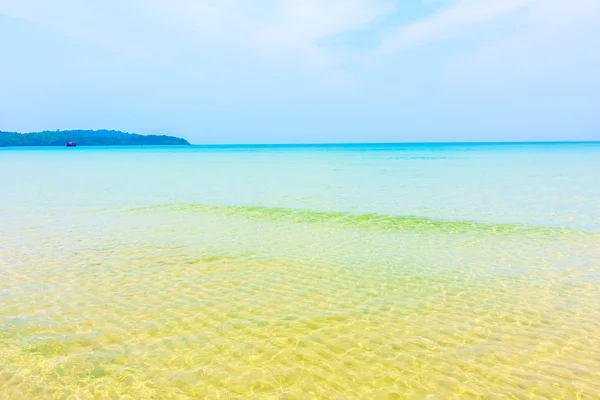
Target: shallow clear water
{"type": "Point", "coordinates": [364, 271]}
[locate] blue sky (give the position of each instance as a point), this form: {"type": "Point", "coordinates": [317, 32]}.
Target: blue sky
{"type": "Point", "coordinates": [296, 71]}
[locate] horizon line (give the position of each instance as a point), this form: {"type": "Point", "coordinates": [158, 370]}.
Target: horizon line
{"type": "Point", "coordinates": [394, 143]}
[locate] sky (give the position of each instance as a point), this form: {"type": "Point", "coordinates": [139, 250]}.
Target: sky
{"type": "Point", "coordinates": [304, 71]}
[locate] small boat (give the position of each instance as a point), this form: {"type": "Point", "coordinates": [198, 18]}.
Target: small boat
{"type": "Point", "coordinates": [71, 144]}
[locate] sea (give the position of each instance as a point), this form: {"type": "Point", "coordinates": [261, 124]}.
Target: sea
{"type": "Point", "coordinates": [363, 271]}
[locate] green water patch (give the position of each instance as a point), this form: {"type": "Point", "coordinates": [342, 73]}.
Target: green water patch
{"type": "Point", "coordinates": [369, 220]}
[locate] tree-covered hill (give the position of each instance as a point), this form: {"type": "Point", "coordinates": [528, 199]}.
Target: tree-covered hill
{"type": "Point", "coordinates": [86, 138]}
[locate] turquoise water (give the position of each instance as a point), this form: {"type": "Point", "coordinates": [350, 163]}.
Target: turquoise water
{"type": "Point", "coordinates": [551, 184]}
{"type": "Point", "coordinates": [336, 271]}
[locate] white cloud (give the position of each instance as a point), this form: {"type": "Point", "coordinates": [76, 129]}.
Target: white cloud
{"type": "Point", "coordinates": [450, 21]}
{"type": "Point", "coordinates": [293, 31]}
{"type": "Point", "coordinates": [301, 24]}
{"type": "Point", "coordinates": [556, 46]}
{"type": "Point", "coordinates": [87, 21]}
{"type": "Point", "coordinates": [142, 28]}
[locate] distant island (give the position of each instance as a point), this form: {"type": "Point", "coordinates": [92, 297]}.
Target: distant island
{"type": "Point", "coordinates": [86, 138]}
